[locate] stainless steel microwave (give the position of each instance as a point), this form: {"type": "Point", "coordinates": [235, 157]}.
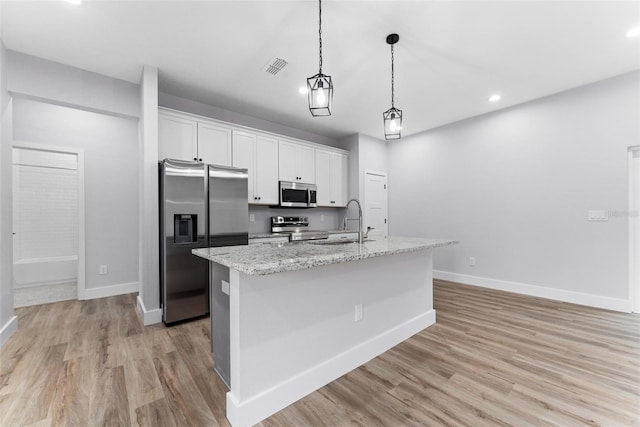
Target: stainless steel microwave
{"type": "Point", "coordinates": [297, 195]}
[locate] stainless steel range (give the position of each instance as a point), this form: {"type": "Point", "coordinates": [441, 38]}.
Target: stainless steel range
{"type": "Point", "coordinates": [297, 226]}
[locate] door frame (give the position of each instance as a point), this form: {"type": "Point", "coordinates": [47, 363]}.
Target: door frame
{"type": "Point", "coordinates": [364, 195]}
{"type": "Point", "coordinates": [634, 229]}
{"type": "Point", "coordinates": [79, 153]}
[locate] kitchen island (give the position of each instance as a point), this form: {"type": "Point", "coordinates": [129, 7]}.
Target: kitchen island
{"type": "Point", "coordinates": [300, 315]}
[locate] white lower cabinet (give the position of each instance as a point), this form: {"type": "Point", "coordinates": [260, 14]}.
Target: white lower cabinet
{"type": "Point", "coordinates": [259, 155]}
{"type": "Point", "coordinates": [331, 178]}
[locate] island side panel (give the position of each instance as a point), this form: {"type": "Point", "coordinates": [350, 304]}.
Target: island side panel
{"type": "Point", "coordinates": [293, 332]}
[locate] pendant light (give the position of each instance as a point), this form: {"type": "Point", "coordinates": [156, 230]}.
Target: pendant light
{"type": "Point", "coordinates": [320, 87]}
{"type": "Point", "coordinates": [392, 117]}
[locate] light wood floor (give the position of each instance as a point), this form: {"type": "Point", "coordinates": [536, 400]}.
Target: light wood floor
{"type": "Point", "coordinates": [493, 358]}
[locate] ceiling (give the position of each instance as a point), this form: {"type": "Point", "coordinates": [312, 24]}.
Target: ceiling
{"type": "Point", "coordinates": [450, 58]}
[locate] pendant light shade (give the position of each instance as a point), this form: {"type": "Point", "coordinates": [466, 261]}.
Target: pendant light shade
{"type": "Point", "coordinates": [320, 93]}
{"type": "Point", "coordinates": [320, 86]}
{"type": "Point", "coordinates": [392, 123]}
{"type": "Point", "coordinates": [392, 117]}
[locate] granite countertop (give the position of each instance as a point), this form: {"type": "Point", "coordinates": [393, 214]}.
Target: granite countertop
{"type": "Point", "coordinates": [257, 260]}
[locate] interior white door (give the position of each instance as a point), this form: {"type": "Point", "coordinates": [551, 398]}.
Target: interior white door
{"type": "Point", "coordinates": [375, 205]}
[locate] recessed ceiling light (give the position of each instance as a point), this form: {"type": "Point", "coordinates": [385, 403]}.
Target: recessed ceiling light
{"type": "Point", "coordinates": [634, 32]}
{"type": "Point", "coordinates": [303, 90]}
{"type": "Point", "coordinates": [494, 98]}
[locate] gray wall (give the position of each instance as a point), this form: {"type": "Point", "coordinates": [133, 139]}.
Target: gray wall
{"type": "Point", "coordinates": [110, 147]}
{"type": "Point", "coordinates": [6, 240]}
{"type": "Point", "coordinates": [55, 104]}
{"type": "Point", "coordinates": [515, 186]}
{"type": "Point", "coordinates": [70, 86]}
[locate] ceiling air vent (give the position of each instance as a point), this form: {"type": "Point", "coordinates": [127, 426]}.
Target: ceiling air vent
{"type": "Point", "coordinates": [275, 66]}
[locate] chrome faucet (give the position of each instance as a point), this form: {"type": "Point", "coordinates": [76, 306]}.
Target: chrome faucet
{"type": "Point", "coordinates": [359, 217]}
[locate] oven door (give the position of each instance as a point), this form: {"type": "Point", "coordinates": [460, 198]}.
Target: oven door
{"type": "Point", "coordinates": [294, 195]}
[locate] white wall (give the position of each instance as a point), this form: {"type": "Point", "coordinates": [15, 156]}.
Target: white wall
{"type": "Point", "coordinates": [8, 322]}
{"type": "Point", "coordinates": [111, 177]}
{"type": "Point", "coordinates": [515, 186]}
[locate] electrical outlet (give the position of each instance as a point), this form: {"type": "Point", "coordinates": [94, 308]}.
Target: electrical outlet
{"type": "Point", "coordinates": [358, 312]}
{"type": "Point", "coordinates": [472, 261]}
{"type": "Point", "coordinates": [102, 270]}
{"type": "Point", "coordinates": [322, 218]}
{"type": "Point", "coordinates": [252, 218]}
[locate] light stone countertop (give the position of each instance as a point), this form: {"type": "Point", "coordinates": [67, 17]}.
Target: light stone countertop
{"type": "Point", "coordinates": [267, 234]}
{"type": "Point", "coordinates": [257, 260]}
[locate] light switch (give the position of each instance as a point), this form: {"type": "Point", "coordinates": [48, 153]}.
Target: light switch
{"type": "Point", "coordinates": [225, 287]}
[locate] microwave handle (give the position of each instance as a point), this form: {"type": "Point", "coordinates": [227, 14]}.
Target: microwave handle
{"type": "Point", "coordinates": [308, 196]}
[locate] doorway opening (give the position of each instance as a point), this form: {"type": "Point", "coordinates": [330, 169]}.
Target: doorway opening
{"type": "Point", "coordinates": [48, 224]}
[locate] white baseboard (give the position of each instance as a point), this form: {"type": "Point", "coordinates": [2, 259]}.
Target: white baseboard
{"type": "Point", "coordinates": [590, 300]}
{"type": "Point", "coordinates": [149, 317]}
{"type": "Point", "coordinates": [8, 329]}
{"type": "Point", "coordinates": [259, 407]}
{"type": "Point", "coordinates": [108, 291]}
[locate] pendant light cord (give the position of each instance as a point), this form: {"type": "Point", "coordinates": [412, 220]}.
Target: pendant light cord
{"type": "Point", "coordinates": [320, 31]}
{"type": "Point", "coordinates": [392, 78]}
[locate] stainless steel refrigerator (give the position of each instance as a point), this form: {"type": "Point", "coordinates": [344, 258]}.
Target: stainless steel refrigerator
{"type": "Point", "coordinates": [200, 206]}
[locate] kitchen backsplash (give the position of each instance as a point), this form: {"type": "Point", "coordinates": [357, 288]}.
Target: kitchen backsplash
{"type": "Point", "coordinates": [319, 218]}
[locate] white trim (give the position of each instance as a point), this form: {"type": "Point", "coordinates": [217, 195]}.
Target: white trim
{"type": "Point", "coordinates": [633, 227]}
{"type": "Point", "coordinates": [109, 291]}
{"type": "Point", "coordinates": [591, 300]}
{"type": "Point", "coordinates": [282, 395]}
{"type": "Point", "coordinates": [8, 329]}
{"type": "Point", "coordinates": [149, 317]}
{"type": "Point", "coordinates": [79, 153]}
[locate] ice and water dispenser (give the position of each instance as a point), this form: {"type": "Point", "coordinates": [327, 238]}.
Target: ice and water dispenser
{"type": "Point", "coordinates": [185, 228]}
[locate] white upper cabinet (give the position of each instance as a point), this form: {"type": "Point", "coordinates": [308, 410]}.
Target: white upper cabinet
{"type": "Point", "coordinates": [244, 156]}
{"type": "Point", "coordinates": [214, 144]}
{"type": "Point", "coordinates": [185, 138]}
{"type": "Point", "coordinates": [296, 162]}
{"type": "Point", "coordinates": [267, 157]}
{"type": "Point", "coordinates": [177, 137]}
{"type": "Point", "coordinates": [258, 154]}
{"type": "Point", "coordinates": [267, 170]}
{"type": "Point", "coordinates": [331, 178]}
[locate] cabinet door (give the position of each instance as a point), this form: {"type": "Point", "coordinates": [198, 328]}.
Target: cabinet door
{"type": "Point", "coordinates": [305, 164]}
{"type": "Point", "coordinates": [323, 177]}
{"type": "Point", "coordinates": [243, 144]}
{"type": "Point", "coordinates": [266, 170]}
{"type": "Point", "coordinates": [287, 170]}
{"type": "Point", "coordinates": [339, 179]}
{"type": "Point", "coordinates": [177, 137]}
{"type": "Point", "coordinates": [214, 144]}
